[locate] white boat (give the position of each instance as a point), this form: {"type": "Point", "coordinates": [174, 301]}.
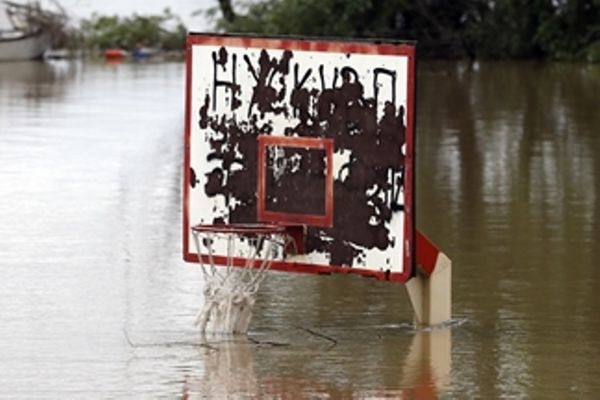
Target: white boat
{"type": "Point", "coordinates": [25, 30]}
{"type": "Point", "coordinates": [24, 47]}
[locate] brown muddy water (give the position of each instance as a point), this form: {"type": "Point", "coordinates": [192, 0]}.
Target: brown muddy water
{"type": "Point", "coordinates": [95, 301]}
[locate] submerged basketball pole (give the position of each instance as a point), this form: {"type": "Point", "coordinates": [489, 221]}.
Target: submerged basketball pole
{"type": "Point", "coordinates": [430, 289]}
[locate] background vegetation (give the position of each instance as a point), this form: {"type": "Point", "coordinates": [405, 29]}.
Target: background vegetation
{"type": "Point", "coordinates": [555, 29]}
{"type": "Point", "coordinates": [164, 32]}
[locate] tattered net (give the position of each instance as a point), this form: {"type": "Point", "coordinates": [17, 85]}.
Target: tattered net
{"type": "Point", "coordinates": [231, 282]}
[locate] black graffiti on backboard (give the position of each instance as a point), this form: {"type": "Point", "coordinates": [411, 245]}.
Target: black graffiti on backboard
{"type": "Point", "coordinates": [367, 186]}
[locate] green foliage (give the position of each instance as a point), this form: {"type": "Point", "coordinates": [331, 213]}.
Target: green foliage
{"type": "Point", "coordinates": [559, 29]}
{"type": "Point", "coordinates": [165, 31]}
{"type": "Point", "coordinates": [311, 17]}
{"type": "Point", "coordinates": [592, 53]}
{"type": "Point", "coordinates": [573, 31]}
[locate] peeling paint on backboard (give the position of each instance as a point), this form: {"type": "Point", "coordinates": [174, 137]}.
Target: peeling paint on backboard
{"type": "Point", "coordinates": [358, 96]}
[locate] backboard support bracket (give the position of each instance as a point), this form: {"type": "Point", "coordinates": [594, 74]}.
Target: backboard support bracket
{"type": "Point", "coordinates": [430, 290]}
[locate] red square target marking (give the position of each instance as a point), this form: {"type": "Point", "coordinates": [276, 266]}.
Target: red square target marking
{"type": "Point", "coordinates": [295, 180]}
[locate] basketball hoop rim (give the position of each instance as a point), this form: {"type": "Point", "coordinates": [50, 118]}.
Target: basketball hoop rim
{"type": "Point", "coordinates": [240, 228]}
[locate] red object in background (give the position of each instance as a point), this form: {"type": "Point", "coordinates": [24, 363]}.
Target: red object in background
{"type": "Point", "coordinates": [115, 54]}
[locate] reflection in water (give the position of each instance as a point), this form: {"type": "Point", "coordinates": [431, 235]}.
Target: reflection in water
{"type": "Point", "coordinates": [508, 138]}
{"type": "Point", "coordinates": [427, 368]}
{"type": "Point", "coordinates": [512, 198]}
{"type": "Point", "coordinates": [35, 80]}
{"type": "Point", "coordinates": [514, 362]}
{"type": "Point", "coordinates": [232, 369]}
{"type": "Point", "coordinates": [228, 370]}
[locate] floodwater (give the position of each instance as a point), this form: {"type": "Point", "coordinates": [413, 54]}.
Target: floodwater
{"type": "Point", "coordinates": [95, 301]}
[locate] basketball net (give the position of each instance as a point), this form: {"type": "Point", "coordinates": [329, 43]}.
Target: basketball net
{"type": "Point", "coordinates": [230, 288]}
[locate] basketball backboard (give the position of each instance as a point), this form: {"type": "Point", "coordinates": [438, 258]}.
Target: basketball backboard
{"type": "Point", "coordinates": [305, 132]}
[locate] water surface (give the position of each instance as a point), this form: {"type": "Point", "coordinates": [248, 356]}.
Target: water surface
{"type": "Point", "coordinates": [96, 302]}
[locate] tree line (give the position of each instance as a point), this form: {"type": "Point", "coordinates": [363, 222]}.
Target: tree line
{"type": "Point", "coordinates": [163, 31]}
{"type": "Point", "coordinates": [496, 29]}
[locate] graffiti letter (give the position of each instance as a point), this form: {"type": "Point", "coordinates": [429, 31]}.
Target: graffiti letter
{"type": "Point", "coordinates": [231, 85]}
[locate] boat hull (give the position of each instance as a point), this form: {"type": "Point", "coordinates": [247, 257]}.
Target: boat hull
{"type": "Point", "coordinates": [26, 47]}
